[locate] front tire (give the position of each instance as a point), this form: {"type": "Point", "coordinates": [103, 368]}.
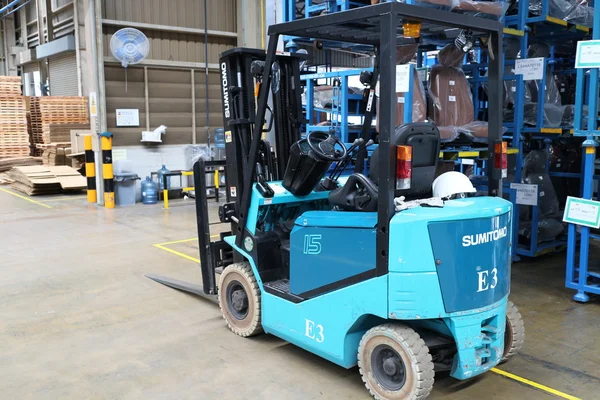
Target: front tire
{"type": "Point", "coordinates": [239, 300]}
{"type": "Point", "coordinates": [514, 336]}
{"type": "Point", "coordinates": [395, 363]}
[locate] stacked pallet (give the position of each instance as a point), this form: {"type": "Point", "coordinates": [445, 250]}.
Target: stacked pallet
{"type": "Point", "coordinates": [38, 180]}
{"type": "Point", "coordinates": [10, 85]}
{"type": "Point", "coordinates": [14, 139]}
{"type": "Point", "coordinates": [55, 110]}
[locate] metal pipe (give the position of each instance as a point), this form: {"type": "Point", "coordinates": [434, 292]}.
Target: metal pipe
{"type": "Point", "coordinates": [4, 47]}
{"type": "Point", "coordinates": [206, 73]}
{"type": "Point", "coordinates": [9, 5]}
{"type": "Point", "coordinates": [97, 64]}
{"type": "Point", "coordinates": [77, 48]}
{"type": "Point", "coordinates": [15, 10]}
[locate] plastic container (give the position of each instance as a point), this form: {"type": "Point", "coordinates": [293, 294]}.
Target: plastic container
{"type": "Point", "coordinates": [125, 189]}
{"type": "Point", "coordinates": [161, 172]}
{"type": "Point", "coordinates": [149, 191]}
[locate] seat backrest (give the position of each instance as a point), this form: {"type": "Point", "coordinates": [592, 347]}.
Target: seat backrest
{"type": "Point", "coordinates": [424, 138]}
{"type": "Point", "coordinates": [449, 90]}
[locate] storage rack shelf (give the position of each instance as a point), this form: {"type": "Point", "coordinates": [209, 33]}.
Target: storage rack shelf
{"type": "Point", "coordinates": [526, 28]}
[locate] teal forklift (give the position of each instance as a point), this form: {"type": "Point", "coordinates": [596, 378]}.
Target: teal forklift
{"type": "Point", "coordinates": [325, 260]}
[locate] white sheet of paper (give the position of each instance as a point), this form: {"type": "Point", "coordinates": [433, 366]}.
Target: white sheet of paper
{"type": "Point", "coordinates": [526, 194]}
{"type": "Point", "coordinates": [530, 68]}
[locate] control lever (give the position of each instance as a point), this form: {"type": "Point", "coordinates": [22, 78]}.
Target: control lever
{"type": "Point", "coordinates": [263, 187]}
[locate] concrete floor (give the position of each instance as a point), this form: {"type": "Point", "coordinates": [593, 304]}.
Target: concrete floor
{"type": "Point", "coordinates": [78, 320]}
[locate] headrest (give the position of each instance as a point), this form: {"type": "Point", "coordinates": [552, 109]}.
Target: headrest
{"type": "Point", "coordinates": [451, 56]}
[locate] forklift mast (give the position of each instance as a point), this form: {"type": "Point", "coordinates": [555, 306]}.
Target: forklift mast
{"type": "Point", "coordinates": [241, 76]}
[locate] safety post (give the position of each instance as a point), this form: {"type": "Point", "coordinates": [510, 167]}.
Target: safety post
{"type": "Point", "coordinates": [107, 170]}
{"type": "Point", "coordinates": [90, 169]}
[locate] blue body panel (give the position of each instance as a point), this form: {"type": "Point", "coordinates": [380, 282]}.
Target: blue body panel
{"type": "Point", "coordinates": [472, 248]}
{"type": "Point", "coordinates": [332, 324]}
{"type": "Point", "coordinates": [336, 321]}
{"type": "Point", "coordinates": [322, 256]}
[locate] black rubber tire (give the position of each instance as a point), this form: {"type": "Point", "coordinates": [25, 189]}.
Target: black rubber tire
{"type": "Point", "coordinates": [514, 337]}
{"type": "Point", "coordinates": [419, 372]}
{"type": "Point", "coordinates": [250, 325]}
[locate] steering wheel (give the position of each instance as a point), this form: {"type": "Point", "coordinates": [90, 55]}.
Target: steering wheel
{"type": "Point", "coordinates": [323, 145]}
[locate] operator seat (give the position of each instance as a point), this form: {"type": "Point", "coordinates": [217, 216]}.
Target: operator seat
{"type": "Point", "coordinates": [450, 91]}
{"type": "Point", "coordinates": [361, 193]}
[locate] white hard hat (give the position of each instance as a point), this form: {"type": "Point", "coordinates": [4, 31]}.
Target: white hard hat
{"type": "Point", "coordinates": [450, 184]}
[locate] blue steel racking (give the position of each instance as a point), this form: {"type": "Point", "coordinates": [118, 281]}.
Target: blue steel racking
{"type": "Point", "coordinates": [581, 278]}
{"type": "Point", "coordinates": [344, 104]}
{"type": "Point", "coordinates": [526, 29]}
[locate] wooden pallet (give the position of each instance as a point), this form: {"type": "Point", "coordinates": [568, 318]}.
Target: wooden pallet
{"type": "Point", "coordinates": [10, 85]}
{"type": "Point", "coordinates": [55, 110]}
{"type": "Point", "coordinates": [14, 151]}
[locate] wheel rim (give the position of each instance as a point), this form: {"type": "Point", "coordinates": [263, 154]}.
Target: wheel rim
{"type": "Point", "coordinates": [388, 368]}
{"type": "Point", "coordinates": [237, 300]}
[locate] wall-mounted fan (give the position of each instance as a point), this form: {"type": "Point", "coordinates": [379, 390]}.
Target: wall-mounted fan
{"type": "Point", "coordinates": [130, 46]}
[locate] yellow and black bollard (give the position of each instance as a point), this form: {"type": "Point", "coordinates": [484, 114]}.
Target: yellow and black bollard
{"type": "Point", "coordinates": [90, 169]}
{"type": "Point", "coordinates": [107, 170]}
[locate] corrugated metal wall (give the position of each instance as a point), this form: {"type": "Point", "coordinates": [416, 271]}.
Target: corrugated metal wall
{"type": "Point", "coordinates": [174, 46]}
{"type": "Point", "coordinates": [222, 14]}
{"type": "Point", "coordinates": [169, 88]}
{"type": "Point", "coordinates": [169, 100]}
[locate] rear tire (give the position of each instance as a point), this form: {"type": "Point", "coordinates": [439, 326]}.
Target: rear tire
{"type": "Point", "coordinates": [239, 300]}
{"type": "Point", "coordinates": [514, 336]}
{"type": "Point", "coordinates": [395, 363]}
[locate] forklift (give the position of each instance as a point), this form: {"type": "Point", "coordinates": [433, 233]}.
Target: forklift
{"type": "Point", "coordinates": [325, 261]}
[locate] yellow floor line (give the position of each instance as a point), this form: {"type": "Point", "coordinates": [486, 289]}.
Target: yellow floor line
{"type": "Point", "coordinates": [25, 198]}
{"type": "Point", "coordinates": [182, 241]}
{"type": "Point", "coordinates": [534, 384]}
{"type": "Point", "coordinates": [177, 253]}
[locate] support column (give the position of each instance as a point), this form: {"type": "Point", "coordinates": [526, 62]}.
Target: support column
{"type": "Point", "coordinates": [251, 23]}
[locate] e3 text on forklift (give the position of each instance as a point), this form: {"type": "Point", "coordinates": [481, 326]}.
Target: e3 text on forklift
{"type": "Point", "coordinates": [328, 264]}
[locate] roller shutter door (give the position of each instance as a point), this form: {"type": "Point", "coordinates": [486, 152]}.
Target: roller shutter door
{"type": "Point", "coordinates": [63, 75]}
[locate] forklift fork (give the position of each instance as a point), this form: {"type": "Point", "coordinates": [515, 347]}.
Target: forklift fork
{"type": "Point", "coordinates": [212, 254]}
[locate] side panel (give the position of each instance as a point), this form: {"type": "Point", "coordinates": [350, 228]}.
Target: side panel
{"type": "Point", "coordinates": [329, 325]}
{"type": "Point", "coordinates": [415, 296]}
{"type": "Point", "coordinates": [472, 257]}
{"type": "Point", "coordinates": [322, 256]}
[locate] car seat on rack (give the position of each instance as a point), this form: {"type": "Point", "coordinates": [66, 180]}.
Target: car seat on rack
{"type": "Point", "coordinates": [450, 92]}
{"type": "Point", "coordinates": [404, 54]}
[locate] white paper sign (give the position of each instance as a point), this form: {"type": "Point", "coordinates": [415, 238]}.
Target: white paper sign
{"type": "Point", "coordinates": [93, 104]}
{"type": "Point", "coordinates": [452, 98]}
{"type": "Point", "coordinates": [588, 54]}
{"type": "Point", "coordinates": [119, 154]}
{"type": "Point", "coordinates": [401, 100]}
{"type": "Point", "coordinates": [468, 161]}
{"type": "Point", "coordinates": [402, 78]}
{"type": "Point", "coordinates": [530, 68]}
{"type": "Point", "coordinates": [582, 212]}
{"type": "Point", "coordinates": [128, 117]}
{"type": "Point", "coordinates": [526, 194]}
